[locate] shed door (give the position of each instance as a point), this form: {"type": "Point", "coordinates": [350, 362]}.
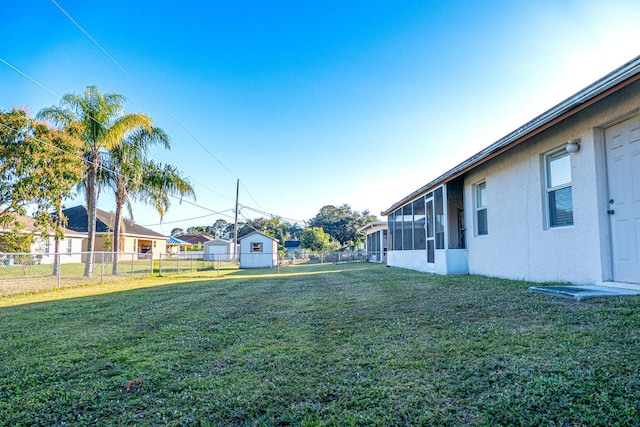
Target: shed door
{"type": "Point", "coordinates": [623, 166]}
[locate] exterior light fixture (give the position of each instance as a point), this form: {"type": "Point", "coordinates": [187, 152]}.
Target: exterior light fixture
{"type": "Point", "coordinates": [573, 145]}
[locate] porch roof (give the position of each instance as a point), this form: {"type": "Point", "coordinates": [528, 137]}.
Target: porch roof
{"type": "Point", "coordinates": [612, 82]}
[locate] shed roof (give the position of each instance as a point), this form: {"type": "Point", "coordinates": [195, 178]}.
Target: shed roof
{"type": "Point", "coordinates": [257, 232]}
{"type": "Point", "coordinates": [194, 239]}
{"type": "Point", "coordinates": [612, 82]}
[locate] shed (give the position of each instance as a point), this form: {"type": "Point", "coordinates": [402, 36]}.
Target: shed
{"type": "Point", "coordinates": [257, 250]}
{"type": "Point", "coordinates": [218, 250]}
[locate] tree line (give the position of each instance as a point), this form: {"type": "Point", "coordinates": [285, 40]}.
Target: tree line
{"type": "Point", "coordinates": [332, 228]}
{"type": "Point", "coordinates": [86, 143]}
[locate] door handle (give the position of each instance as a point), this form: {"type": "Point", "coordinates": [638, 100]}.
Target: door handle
{"type": "Point", "coordinates": [611, 211]}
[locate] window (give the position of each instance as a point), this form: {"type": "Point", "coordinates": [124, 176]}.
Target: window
{"type": "Point", "coordinates": [439, 216]}
{"type": "Point", "coordinates": [558, 188]}
{"type": "Point", "coordinates": [482, 226]}
{"type": "Point", "coordinates": [397, 231]}
{"type": "Point", "coordinates": [390, 224]}
{"type": "Point", "coordinates": [407, 232]}
{"type": "Point", "coordinates": [256, 246]}
{"type": "Point", "coordinates": [419, 231]}
{"type": "Point", "coordinates": [69, 246]}
{"type": "Point", "coordinates": [429, 227]}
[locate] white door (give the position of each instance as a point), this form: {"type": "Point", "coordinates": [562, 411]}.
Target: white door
{"type": "Point", "coordinates": [623, 166]}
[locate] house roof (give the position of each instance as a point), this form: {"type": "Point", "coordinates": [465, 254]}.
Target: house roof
{"type": "Point", "coordinates": [257, 232]}
{"type": "Point", "coordinates": [77, 220]}
{"type": "Point", "coordinates": [292, 243]}
{"type": "Point", "coordinates": [173, 241]}
{"type": "Point", "coordinates": [376, 224]}
{"type": "Point", "coordinates": [29, 224]}
{"type": "Point", "coordinates": [194, 239]}
{"type": "Point", "coordinates": [612, 82]}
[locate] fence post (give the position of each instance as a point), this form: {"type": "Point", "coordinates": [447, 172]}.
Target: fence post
{"type": "Point", "coordinates": [160, 266]}
{"type": "Point", "coordinates": [191, 259]}
{"type": "Point", "coordinates": [178, 263]}
{"type": "Point", "coordinates": [151, 263]}
{"type": "Point", "coordinates": [102, 267]}
{"type": "Point", "coordinates": [59, 268]}
{"type": "Point", "coordinates": [218, 255]}
{"type": "Point", "coordinates": [132, 263]}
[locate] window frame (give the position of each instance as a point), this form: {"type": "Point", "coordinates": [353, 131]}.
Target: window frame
{"type": "Point", "coordinates": [256, 247]}
{"type": "Point", "coordinates": [548, 157]}
{"type": "Point", "coordinates": [477, 208]}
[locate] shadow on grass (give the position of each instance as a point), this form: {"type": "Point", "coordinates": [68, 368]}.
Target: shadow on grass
{"type": "Point", "coordinates": [83, 290]}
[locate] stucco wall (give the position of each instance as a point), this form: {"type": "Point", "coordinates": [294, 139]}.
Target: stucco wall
{"type": "Point", "coordinates": [266, 258]}
{"type": "Point", "coordinates": [413, 260]}
{"type": "Point", "coordinates": [519, 244]}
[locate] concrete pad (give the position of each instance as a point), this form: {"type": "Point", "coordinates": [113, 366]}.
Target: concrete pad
{"type": "Point", "coordinates": [582, 292]}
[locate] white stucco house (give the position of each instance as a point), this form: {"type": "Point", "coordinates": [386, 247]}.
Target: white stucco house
{"type": "Point", "coordinates": [257, 250]}
{"type": "Point", "coordinates": [558, 199]}
{"type": "Point", "coordinates": [376, 240]}
{"type": "Point", "coordinates": [44, 245]}
{"type": "Point", "coordinates": [218, 250]}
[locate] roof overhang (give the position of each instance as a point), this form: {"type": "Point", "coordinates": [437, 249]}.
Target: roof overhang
{"type": "Point", "coordinates": [372, 225]}
{"type": "Point", "coordinates": [607, 85]}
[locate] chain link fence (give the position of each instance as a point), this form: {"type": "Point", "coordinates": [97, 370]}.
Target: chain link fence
{"type": "Point", "coordinates": [26, 273]}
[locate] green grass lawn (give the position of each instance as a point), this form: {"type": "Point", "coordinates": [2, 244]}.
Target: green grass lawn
{"type": "Point", "coordinates": [336, 345]}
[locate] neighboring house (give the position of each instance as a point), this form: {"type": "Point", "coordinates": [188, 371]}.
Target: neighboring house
{"type": "Point", "coordinates": [292, 246]}
{"type": "Point", "coordinates": [218, 250]}
{"type": "Point", "coordinates": [258, 250]}
{"type": "Point", "coordinates": [176, 246]}
{"type": "Point", "coordinates": [558, 199]}
{"type": "Point", "coordinates": [194, 239]}
{"type": "Point", "coordinates": [376, 241]}
{"type": "Point", "coordinates": [133, 237]}
{"type": "Point", "coordinates": [70, 247]}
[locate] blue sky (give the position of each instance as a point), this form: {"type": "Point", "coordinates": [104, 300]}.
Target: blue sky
{"type": "Point", "coordinates": [320, 103]}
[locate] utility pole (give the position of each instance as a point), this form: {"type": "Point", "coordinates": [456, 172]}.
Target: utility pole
{"type": "Point", "coordinates": [235, 229]}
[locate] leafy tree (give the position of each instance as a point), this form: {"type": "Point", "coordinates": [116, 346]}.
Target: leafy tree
{"type": "Point", "coordinates": [273, 227]}
{"type": "Point", "coordinates": [133, 176]}
{"type": "Point", "coordinates": [199, 229]}
{"type": "Point", "coordinates": [221, 229]}
{"type": "Point", "coordinates": [315, 239]}
{"type": "Point", "coordinates": [39, 167]}
{"type": "Point", "coordinates": [177, 231]}
{"type": "Point", "coordinates": [102, 124]}
{"type": "Point", "coordinates": [342, 222]}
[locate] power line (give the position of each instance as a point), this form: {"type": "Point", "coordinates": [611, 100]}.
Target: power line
{"type": "Point", "coordinates": [102, 166]}
{"type": "Point", "coordinates": [86, 161]}
{"type": "Point", "coordinates": [213, 191]}
{"type": "Point", "coordinates": [30, 78]}
{"type": "Point", "coordinates": [143, 89]}
{"type": "Point", "coordinates": [191, 219]}
{"type": "Point", "coordinates": [275, 216]}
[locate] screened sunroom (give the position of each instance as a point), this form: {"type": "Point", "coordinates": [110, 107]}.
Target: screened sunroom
{"type": "Point", "coordinates": [427, 231]}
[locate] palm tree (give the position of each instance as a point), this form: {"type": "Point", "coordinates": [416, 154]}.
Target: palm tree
{"type": "Point", "coordinates": [102, 124]}
{"type": "Point", "coordinates": [132, 176]}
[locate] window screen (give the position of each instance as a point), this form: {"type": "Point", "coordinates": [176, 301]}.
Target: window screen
{"type": "Point", "coordinates": [558, 183]}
